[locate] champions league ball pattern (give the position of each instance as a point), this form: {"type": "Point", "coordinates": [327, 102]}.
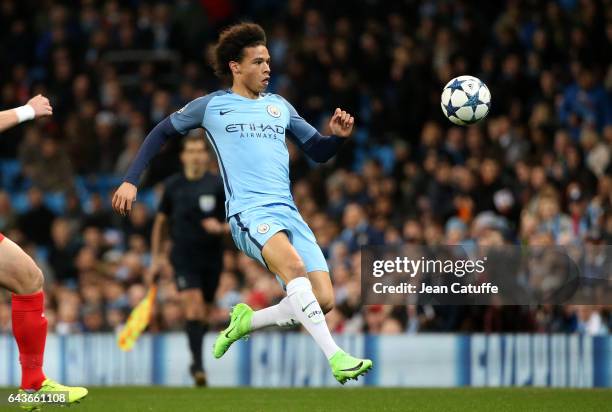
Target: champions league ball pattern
{"type": "Point", "coordinates": [465, 100]}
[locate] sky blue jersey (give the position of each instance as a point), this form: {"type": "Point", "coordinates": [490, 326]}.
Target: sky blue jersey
{"type": "Point", "coordinates": [248, 137]}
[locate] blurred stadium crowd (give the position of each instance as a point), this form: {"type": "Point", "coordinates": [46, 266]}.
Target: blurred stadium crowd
{"type": "Point", "coordinates": [538, 171]}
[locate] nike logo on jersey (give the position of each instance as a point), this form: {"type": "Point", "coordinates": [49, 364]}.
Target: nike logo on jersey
{"type": "Point", "coordinates": [356, 368]}
{"type": "Point", "coordinates": [221, 112]}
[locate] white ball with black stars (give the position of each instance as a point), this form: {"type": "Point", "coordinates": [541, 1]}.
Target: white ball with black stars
{"type": "Point", "coordinates": [466, 100]}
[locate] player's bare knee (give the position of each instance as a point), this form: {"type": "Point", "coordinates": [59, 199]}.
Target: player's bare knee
{"type": "Point", "coordinates": [38, 279]}
{"type": "Point", "coordinates": [195, 315]}
{"type": "Point", "coordinates": [30, 281]}
{"type": "Point", "coordinates": [192, 304]}
{"type": "Point", "coordinates": [295, 268]}
{"type": "Point", "coordinates": [194, 312]}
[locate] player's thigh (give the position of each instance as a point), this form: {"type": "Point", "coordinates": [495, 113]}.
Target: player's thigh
{"type": "Point", "coordinates": [305, 243]}
{"type": "Point", "coordinates": [18, 272]}
{"type": "Point", "coordinates": [323, 289]}
{"type": "Point", "coordinates": [261, 234]}
{"type": "Point", "coordinates": [282, 258]}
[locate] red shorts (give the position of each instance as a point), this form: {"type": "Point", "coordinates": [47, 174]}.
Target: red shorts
{"type": "Point", "coordinates": [1, 237]}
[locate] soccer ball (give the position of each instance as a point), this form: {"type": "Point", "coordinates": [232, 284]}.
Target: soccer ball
{"type": "Point", "coordinates": [465, 100]}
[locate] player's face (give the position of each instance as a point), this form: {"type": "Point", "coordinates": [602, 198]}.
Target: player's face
{"type": "Point", "coordinates": [194, 155]}
{"type": "Point", "coordinates": [253, 70]}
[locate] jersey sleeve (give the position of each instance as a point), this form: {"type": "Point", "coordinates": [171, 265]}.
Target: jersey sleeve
{"type": "Point", "coordinates": [191, 115]}
{"type": "Point", "coordinates": [299, 128]}
{"type": "Point", "coordinates": [153, 143]}
{"type": "Point", "coordinates": [178, 123]}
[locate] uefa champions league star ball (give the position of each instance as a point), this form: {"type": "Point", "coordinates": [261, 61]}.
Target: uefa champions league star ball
{"type": "Point", "coordinates": [465, 100]}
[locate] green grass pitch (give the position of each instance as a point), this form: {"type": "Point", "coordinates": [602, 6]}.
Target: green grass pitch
{"type": "Point", "coordinates": [145, 399]}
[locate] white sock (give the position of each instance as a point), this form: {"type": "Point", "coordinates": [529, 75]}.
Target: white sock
{"type": "Point", "coordinates": [280, 314]}
{"type": "Point", "coordinates": [307, 310]}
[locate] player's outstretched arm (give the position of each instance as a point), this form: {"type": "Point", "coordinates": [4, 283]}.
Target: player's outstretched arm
{"type": "Point", "coordinates": [126, 193]}
{"type": "Point", "coordinates": [175, 125]}
{"type": "Point", "coordinates": [37, 106]}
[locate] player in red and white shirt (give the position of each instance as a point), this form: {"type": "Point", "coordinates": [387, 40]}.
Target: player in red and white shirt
{"type": "Point", "coordinates": [20, 275]}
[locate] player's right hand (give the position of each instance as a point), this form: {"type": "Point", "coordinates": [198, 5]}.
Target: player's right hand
{"type": "Point", "coordinates": [124, 197]}
{"type": "Point", "coordinates": [41, 106]}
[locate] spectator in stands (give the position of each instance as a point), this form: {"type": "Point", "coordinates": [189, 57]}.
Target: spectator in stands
{"type": "Point", "coordinates": [358, 232]}
{"type": "Point", "coordinates": [8, 217]}
{"type": "Point", "coordinates": [50, 169]}
{"type": "Point", "coordinates": [62, 252]}
{"type": "Point", "coordinates": [585, 104]}
{"type": "Point", "coordinates": [36, 221]}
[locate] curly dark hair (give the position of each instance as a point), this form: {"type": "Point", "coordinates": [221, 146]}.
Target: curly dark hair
{"type": "Point", "coordinates": [231, 45]}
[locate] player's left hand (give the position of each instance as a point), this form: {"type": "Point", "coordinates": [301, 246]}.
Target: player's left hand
{"type": "Point", "coordinates": [341, 123]}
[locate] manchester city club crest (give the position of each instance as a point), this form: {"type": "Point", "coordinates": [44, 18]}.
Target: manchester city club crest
{"type": "Point", "coordinates": [273, 110]}
{"type": "Point", "coordinates": [263, 228]}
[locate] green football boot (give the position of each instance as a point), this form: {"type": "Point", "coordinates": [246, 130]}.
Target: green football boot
{"type": "Point", "coordinates": [49, 387]}
{"type": "Point", "coordinates": [346, 367]}
{"type": "Point", "coordinates": [239, 327]}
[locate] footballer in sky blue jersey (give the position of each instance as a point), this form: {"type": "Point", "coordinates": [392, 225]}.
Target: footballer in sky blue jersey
{"type": "Point", "coordinates": [249, 138]}
{"type": "Point", "coordinates": [248, 129]}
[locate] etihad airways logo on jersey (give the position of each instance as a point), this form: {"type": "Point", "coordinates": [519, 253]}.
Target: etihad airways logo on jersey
{"type": "Point", "coordinates": [261, 130]}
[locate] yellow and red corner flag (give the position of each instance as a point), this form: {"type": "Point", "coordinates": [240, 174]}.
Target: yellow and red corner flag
{"type": "Point", "coordinates": [137, 321]}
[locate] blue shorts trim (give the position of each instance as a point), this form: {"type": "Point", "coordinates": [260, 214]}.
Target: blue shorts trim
{"type": "Point", "coordinates": [245, 229]}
